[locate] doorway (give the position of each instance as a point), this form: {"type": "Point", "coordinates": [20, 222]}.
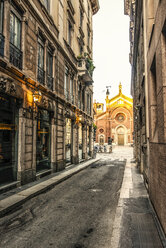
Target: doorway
{"type": "Point", "coordinates": [120, 139]}
{"type": "Point", "coordinates": [121, 136]}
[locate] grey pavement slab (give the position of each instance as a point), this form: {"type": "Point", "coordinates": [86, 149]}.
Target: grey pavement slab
{"type": "Point", "coordinates": [134, 224]}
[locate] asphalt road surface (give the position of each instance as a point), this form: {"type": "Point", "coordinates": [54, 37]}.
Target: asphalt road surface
{"type": "Point", "coordinates": [77, 213]}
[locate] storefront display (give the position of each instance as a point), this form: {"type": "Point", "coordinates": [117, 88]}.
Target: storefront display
{"type": "Point", "coordinates": [68, 140]}
{"type": "Point", "coordinates": [80, 142]}
{"type": "Point", "coordinates": [43, 140]}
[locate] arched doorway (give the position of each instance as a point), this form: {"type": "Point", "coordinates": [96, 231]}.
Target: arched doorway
{"type": "Point", "coordinates": [120, 134]}
{"type": "Point", "coordinates": [101, 140]}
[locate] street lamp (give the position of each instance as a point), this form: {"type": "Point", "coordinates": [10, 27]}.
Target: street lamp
{"type": "Point", "coordinates": [37, 96]}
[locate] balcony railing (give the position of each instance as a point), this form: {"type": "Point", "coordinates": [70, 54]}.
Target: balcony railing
{"type": "Point", "coordinates": [15, 56]}
{"type": "Point", "coordinates": [2, 42]}
{"type": "Point", "coordinates": [49, 82]}
{"type": "Point", "coordinates": [40, 75]}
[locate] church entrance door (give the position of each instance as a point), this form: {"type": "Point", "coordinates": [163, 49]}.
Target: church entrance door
{"type": "Point", "coordinates": [121, 139]}
{"type": "Point", "coordinates": [120, 136]}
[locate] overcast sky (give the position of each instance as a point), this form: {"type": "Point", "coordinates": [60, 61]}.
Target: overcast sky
{"type": "Point", "coordinates": [111, 49]}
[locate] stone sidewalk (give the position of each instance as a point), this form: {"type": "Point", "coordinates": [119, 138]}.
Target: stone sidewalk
{"type": "Point", "coordinates": [135, 224]}
{"type": "Point", "coordinates": [16, 197]}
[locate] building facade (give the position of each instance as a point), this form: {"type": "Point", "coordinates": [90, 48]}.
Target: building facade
{"type": "Point", "coordinates": [46, 91]}
{"type": "Point", "coordinates": [115, 125]}
{"type": "Point", "coordinates": [148, 60]}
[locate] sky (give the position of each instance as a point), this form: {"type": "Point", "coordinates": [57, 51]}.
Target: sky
{"type": "Point", "coordinates": [111, 49]}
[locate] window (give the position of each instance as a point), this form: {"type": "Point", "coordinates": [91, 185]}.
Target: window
{"type": "Point", "coordinates": [15, 30]}
{"type": "Point", "coordinates": [88, 37]}
{"type": "Point", "coordinates": [66, 83]}
{"type": "Point", "coordinates": [69, 33]}
{"type": "Point", "coordinates": [81, 18]}
{"type": "Point", "coordinates": [71, 89]}
{"type": "Point", "coordinates": [41, 73]}
{"type": "Point", "coordinates": [2, 39]}
{"type": "Point", "coordinates": [49, 69]}
{"type": "Point", "coordinates": [1, 16]}
{"type": "Point", "coordinates": [15, 41]}
{"type": "Point", "coordinates": [47, 4]}
{"type": "Point", "coordinates": [87, 103]}
{"type": "Point", "coordinates": [88, 11]}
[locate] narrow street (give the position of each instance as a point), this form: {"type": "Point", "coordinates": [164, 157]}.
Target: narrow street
{"type": "Point", "coordinates": [76, 213]}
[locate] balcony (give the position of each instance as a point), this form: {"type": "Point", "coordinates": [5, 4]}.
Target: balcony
{"type": "Point", "coordinates": [49, 82]}
{"type": "Point", "coordinates": [2, 42]}
{"type": "Point", "coordinates": [15, 56]}
{"type": "Point", "coordinates": [86, 68]}
{"type": "Point", "coordinates": [40, 75]}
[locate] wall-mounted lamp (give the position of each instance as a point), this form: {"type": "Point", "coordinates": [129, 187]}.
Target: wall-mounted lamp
{"type": "Point", "coordinates": [37, 96]}
{"type": "Point", "coordinates": [78, 118]}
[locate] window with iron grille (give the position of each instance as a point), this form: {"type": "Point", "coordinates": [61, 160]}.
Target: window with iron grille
{"type": "Point", "coordinates": [15, 41]}
{"type": "Point", "coordinates": [41, 73]}
{"type": "Point", "coordinates": [49, 69]}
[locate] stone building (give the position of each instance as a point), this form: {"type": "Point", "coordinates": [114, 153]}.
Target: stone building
{"type": "Point", "coordinates": [46, 92]}
{"type": "Point", "coordinates": [116, 123]}
{"type": "Point", "coordinates": [148, 60]}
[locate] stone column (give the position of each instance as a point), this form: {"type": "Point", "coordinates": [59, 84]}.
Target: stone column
{"type": "Point", "coordinates": [6, 32]}
{"type": "Point", "coordinates": [53, 70]}
{"type": "Point", "coordinates": [84, 143]}
{"type": "Point", "coordinates": [23, 41]}
{"type": "Point", "coordinates": [34, 143]}
{"type": "Point", "coordinates": [74, 144]}
{"type": "Point", "coordinates": [91, 141]}
{"type": "Point", "coordinates": [21, 145]}
{"type": "Point", "coordinates": [53, 145]}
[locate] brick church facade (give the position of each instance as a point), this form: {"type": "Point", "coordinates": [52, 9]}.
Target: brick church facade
{"type": "Point", "coordinates": [116, 123]}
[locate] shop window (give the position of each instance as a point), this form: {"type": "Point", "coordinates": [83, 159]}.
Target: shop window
{"type": "Point", "coordinates": [43, 140]}
{"type": "Point", "coordinates": [2, 38]}
{"type": "Point", "coordinates": [80, 141]}
{"type": "Point", "coordinates": [41, 73]}
{"type": "Point", "coordinates": [15, 40]}
{"type": "Point", "coordinates": [8, 139]}
{"type": "Point", "coordinates": [49, 69]}
{"type": "Point", "coordinates": [69, 33]}
{"type": "Point", "coordinates": [68, 140]}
